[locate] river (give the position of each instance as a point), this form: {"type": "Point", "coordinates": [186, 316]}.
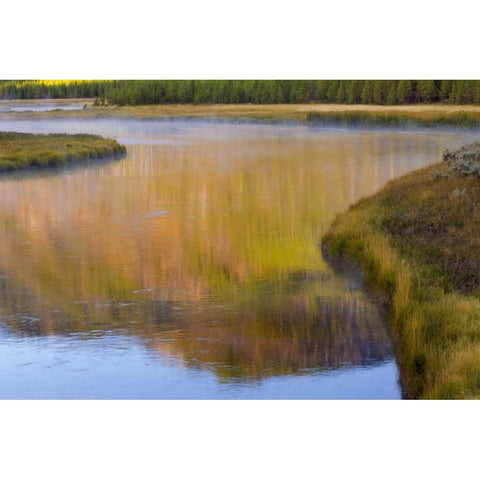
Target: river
{"type": "Point", "coordinates": [191, 268]}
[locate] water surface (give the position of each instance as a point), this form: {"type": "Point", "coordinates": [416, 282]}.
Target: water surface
{"type": "Point", "coordinates": [15, 106]}
{"type": "Point", "coordinates": [191, 268]}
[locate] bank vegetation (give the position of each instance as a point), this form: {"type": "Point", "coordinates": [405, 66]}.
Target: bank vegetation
{"type": "Point", "coordinates": [418, 243]}
{"type": "Point", "coordinates": [24, 150]}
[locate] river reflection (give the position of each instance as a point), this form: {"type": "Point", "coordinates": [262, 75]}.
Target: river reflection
{"type": "Point", "coordinates": [201, 246]}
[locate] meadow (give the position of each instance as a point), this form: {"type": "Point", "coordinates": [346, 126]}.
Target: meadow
{"type": "Point", "coordinates": [317, 114]}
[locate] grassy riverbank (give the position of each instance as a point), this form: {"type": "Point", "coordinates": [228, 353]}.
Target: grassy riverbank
{"type": "Point", "coordinates": [418, 243]}
{"type": "Point", "coordinates": [322, 114]}
{"type": "Point", "coordinates": [388, 117]}
{"type": "Point", "coordinates": [24, 150]}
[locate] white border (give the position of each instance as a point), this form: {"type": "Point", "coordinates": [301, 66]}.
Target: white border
{"type": "Point", "coordinates": [248, 39]}
{"type": "Point", "coordinates": [238, 439]}
{"type": "Point", "coordinates": [230, 39]}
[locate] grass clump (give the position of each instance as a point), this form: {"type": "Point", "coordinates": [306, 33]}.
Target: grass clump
{"type": "Point", "coordinates": [418, 242]}
{"type": "Point", "coordinates": [24, 150]}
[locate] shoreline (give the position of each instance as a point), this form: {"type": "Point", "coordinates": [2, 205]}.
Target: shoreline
{"type": "Point", "coordinates": [314, 114]}
{"type": "Point", "coordinates": [28, 151]}
{"type": "Point", "coordinates": [406, 240]}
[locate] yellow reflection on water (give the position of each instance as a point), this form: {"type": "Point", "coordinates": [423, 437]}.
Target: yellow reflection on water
{"type": "Point", "coordinates": [206, 247]}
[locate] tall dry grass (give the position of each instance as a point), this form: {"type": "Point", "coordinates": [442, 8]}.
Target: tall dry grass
{"type": "Point", "coordinates": [435, 318]}
{"type": "Point", "coordinates": [323, 114]}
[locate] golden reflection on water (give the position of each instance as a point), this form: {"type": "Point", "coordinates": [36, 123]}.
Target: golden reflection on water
{"type": "Point", "coordinates": [206, 247]}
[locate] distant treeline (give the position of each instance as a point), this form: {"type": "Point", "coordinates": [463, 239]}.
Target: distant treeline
{"type": "Point", "coordinates": [32, 89]}
{"type": "Point", "coordinates": [141, 92]}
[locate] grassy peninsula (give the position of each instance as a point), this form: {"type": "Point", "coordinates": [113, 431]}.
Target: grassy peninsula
{"type": "Point", "coordinates": [418, 242]}
{"type": "Point", "coordinates": [24, 150]}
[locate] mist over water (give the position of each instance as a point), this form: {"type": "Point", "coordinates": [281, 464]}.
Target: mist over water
{"type": "Point", "coordinates": [10, 107]}
{"type": "Point", "coordinates": [192, 268]}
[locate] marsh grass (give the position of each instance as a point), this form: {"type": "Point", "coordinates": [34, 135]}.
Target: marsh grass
{"type": "Point", "coordinates": [313, 113]}
{"type": "Point", "coordinates": [24, 150]}
{"type": "Point", "coordinates": [419, 244]}
{"type": "Point", "coordinates": [396, 118]}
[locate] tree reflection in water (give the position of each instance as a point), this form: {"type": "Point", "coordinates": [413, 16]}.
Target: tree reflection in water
{"type": "Point", "coordinates": [203, 243]}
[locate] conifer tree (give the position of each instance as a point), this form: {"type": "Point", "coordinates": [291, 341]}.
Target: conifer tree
{"type": "Point", "coordinates": [320, 91]}
{"type": "Point", "coordinates": [378, 92]}
{"type": "Point", "coordinates": [458, 92]}
{"type": "Point", "coordinates": [445, 91]}
{"type": "Point", "coordinates": [468, 92]}
{"type": "Point", "coordinates": [367, 92]}
{"type": "Point", "coordinates": [352, 92]}
{"type": "Point", "coordinates": [404, 91]}
{"type": "Point", "coordinates": [341, 94]}
{"type": "Point", "coordinates": [426, 91]}
{"type": "Point", "coordinates": [392, 95]}
{"type": "Point", "coordinates": [476, 93]}
{"type": "Point", "coordinates": [332, 91]}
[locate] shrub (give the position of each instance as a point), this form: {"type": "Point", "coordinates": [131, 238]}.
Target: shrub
{"type": "Point", "coordinates": [465, 161]}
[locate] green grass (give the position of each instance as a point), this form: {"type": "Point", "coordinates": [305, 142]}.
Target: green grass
{"type": "Point", "coordinates": [24, 150]}
{"type": "Point", "coordinates": [418, 242]}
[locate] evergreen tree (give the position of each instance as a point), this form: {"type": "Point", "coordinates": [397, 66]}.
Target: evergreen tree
{"type": "Point", "coordinates": [468, 92]}
{"type": "Point", "coordinates": [320, 91]}
{"type": "Point", "coordinates": [367, 92]}
{"type": "Point", "coordinates": [426, 91]}
{"type": "Point", "coordinates": [299, 92]}
{"type": "Point", "coordinates": [341, 96]}
{"type": "Point", "coordinates": [445, 91]}
{"type": "Point", "coordinates": [378, 96]}
{"type": "Point", "coordinates": [392, 95]}
{"type": "Point", "coordinates": [458, 92]}
{"type": "Point", "coordinates": [353, 92]}
{"type": "Point", "coordinates": [404, 91]}
{"type": "Point", "coordinates": [332, 91]}
{"type": "Point", "coordinates": [476, 93]}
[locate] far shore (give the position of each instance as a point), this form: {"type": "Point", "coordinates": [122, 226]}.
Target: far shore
{"type": "Point", "coordinates": [423, 114]}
